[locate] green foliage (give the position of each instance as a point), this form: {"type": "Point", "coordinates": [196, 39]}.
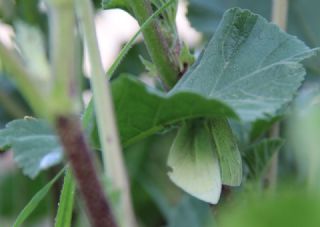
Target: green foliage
{"type": "Point", "coordinates": [302, 16]}
{"type": "Point", "coordinates": [287, 208]}
{"type": "Point", "coordinates": [64, 214]}
{"type": "Point", "coordinates": [34, 202]}
{"type": "Point", "coordinates": [258, 155]}
{"type": "Point", "coordinates": [243, 67]}
{"type": "Point", "coordinates": [142, 111]}
{"type": "Point", "coordinates": [194, 162]}
{"type": "Point", "coordinates": [113, 4]}
{"type": "Point", "coordinates": [27, 138]}
{"type": "Point", "coordinates": [228, 153]}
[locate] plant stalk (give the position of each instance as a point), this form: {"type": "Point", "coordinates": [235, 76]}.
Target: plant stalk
{"type": "Point", "coordinates": [279, 17]}
{"type": "Point", "coordinates": [163, 57]}
{"type": "Point", "coordinates": [79, 155]}
{"type": "Point", "coordinates": [108, 132]}
{"type": "Point", "coordinates": [67, 124]}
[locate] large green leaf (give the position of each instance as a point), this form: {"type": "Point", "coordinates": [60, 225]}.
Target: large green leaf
{"type": "Point", "coordinates": [34, 144]}
{"type": "Point", "coordinates": [303, 18]}
{"type": "Point", "coordinates": [249, 64]}
{"type": "Point", "coordinates": [142, 111]}
{"type": "Point", "coordinates": [194, 162]}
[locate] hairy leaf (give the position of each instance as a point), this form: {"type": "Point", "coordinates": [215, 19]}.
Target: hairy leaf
{"type": "Point", "coordinates": [194, 162]}
{"type": "Point", "coordinates": [34, 144]}
{"type": "Point", "coordinates": [302, 19]}
{"type": "Point", "coordinates": [249, 64]}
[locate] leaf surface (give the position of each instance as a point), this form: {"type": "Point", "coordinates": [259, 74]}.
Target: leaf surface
{"type": "Point", "coordinates": [142, 111]}
{"type": "Point", "coordinates": [34, 144]}
{"type": "Point", "coordinates": [249, 64]}
{"type": "Point", "coordinates": [194, 162]}
{"type": "Point", "coordinates": [228, 152]}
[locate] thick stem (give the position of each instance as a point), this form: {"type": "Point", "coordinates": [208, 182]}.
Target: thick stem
{"type": "Point", "coordinates": [62, 56]}
{"type": "Point", "coordinates": [64, 97]}
{"type": "Point", "coordinates": [79, 154]}
{"type": "Point", "coordinates": [108, 132]}
{"type": "Point", "coordinates": [158, 47]}
{"type": "Point", "coordinates": [279, 17]}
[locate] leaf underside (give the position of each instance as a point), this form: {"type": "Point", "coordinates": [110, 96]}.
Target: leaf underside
{"type": "Point", "coordinates": [194, 162]}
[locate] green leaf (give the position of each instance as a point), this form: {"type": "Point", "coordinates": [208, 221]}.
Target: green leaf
{"type": "Point", "coordinates": [34, 144]}
{"type": "Point", "coordinates": [194, 162]}
{"type": "Point", "coordinates": [260, 127]}
{"type": "Point", "coordinates": [249, 64]}
{"type": "Point", "coordinates": [302, 19]}
{"type": "Point", "coordinates": [65, 209]}
{"type": "Point", "coordinates": [37, 198]}
{"type": "Point", "coordinates": [227, 149]}
{"type": "Point", "coordinates": [142, 111]}
{"type": "Point", "coordinates": [205, 15]}
{"type": "Point", "coordinates": [259, 154]}
{"type": "Point", "coordinates": [114, 4]}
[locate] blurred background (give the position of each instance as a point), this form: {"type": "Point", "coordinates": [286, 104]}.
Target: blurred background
{"type": "Point", "coordinates": [295, 201]}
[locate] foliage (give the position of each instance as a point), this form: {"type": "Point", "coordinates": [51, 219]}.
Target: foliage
{"type": "Point", "coordinates": [202, 132]}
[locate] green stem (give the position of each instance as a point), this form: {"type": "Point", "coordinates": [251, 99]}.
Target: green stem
{"type": "Point", "coordinates": [68, 126]}
{"type": "Point", "coordinates": [22, 78]}
{"type": "Point", "coordinates": [108, 132]}
{"type": "Point", "coordinates": [62, 56]}
{"type": "Point", "coordinates": [158, 47]}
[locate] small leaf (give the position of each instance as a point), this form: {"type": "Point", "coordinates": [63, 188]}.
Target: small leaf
{"type": "Point", "coordinates": [37, 198]}
{"type": "Point", "coordinates": [259, 154]}
{"type": "Point", "coordinates": [34, 144]}
{"type": "Point", "coordinates": [194, 162]}
{"type": "Point", "coordinates": [66, 201]}
{"type": "Point", "coordinates": [249, 64]}
{"type": "Point", "coordinates": [229, 155]}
